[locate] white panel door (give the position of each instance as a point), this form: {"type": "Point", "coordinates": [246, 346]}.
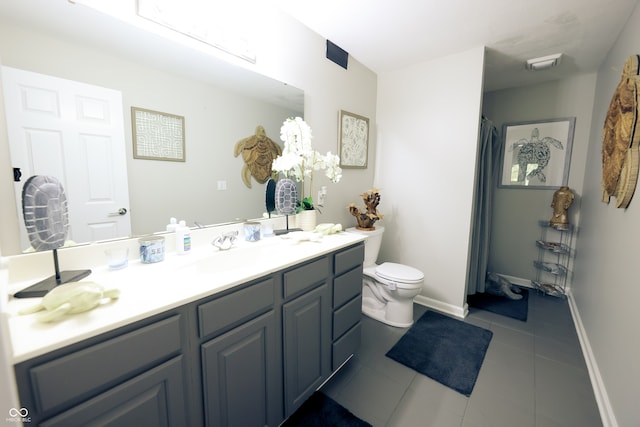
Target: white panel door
{"type": "Point", "coordinates": [75, 132]}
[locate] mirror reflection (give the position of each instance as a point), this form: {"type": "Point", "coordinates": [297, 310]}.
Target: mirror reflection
{"type": "Point", "coordinates": [221, 104]}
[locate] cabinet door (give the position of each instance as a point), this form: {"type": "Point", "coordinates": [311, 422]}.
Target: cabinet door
{"type": "Point", "coordinates": [241, 373]}
{"type": "Point", "coordinates": [307, 345]}
{"type": "Point", "coordinates": [154, 398]}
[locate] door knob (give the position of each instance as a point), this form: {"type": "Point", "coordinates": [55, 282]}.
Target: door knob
{"type": "Point", "coordinates": [121, 211]}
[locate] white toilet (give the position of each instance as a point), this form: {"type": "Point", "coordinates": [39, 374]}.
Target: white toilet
{"type": "Point", "coordinates": [387, 289]}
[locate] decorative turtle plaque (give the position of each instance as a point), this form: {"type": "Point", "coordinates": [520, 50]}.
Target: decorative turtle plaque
{"type": "Point", "coordinates": [620, 138]}
{"type": "Point", "coordinates": [258, 152]}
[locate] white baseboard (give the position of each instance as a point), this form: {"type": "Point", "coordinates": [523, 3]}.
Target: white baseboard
{"type": "Point", "coordinates": [602, 398]}
{"type": "Point", "coordinates": [453, 310]}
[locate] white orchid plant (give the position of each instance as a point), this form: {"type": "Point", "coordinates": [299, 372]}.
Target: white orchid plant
{"type": "Point", "coordinates": [300, 161]}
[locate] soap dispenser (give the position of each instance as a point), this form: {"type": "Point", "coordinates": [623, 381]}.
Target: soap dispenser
{"type": "Point", "coordinates": [183, 238]}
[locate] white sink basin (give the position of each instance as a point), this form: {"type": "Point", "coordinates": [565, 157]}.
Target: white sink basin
{"type": "Point", "coordinates": [236, 258]}
{"type": "Point", "coordinates": [244, 256]}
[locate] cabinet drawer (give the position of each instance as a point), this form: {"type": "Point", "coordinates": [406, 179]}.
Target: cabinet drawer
{"type": "Point", "coordinates": [345, 346]}
{"type": "Point", "coordinates": [242, 305]}
{"type": "Point", "coordinates": [155, 397]}
{"type": "Point", "coordinates": [348, 259]}
{"type": "Point", "coordinates": [347, 316]}
{"type": "Point", "coordinates": [304, 278]}
{"type": "Point", "coordinates": [347, 286]}
{"type": "Point", "coordinates": [81, 374]}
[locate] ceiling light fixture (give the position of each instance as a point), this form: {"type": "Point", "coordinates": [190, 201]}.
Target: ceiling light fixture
{"type": "Point", "coordinates": [544, 62]}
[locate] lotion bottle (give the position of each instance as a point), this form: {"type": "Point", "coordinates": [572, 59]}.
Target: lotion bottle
{"type": "Point", "coordinates": [183, 238]}
{"type": "Point", "coordinates": [173, 224]}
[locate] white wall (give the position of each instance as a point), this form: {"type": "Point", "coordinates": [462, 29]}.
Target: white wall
{"type": "Point", "coordinates": [605, 287]}
{"type": "Point", "coordinates": [428, 121]}
{"type": "Point", "coordinates": [516, 211]}
{"type": "Point", "coordinates": [292, 53]}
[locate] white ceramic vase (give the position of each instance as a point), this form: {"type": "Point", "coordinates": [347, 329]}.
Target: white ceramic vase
{"type": "Point", "coordinates": [306, 220]}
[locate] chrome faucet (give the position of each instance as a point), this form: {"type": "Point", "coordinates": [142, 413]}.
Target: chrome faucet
{"type": "Point", "coordinates": [225, 240]}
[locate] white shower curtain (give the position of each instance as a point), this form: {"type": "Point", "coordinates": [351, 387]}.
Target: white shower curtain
{"type": "Point", "coordinates": [481, 226]}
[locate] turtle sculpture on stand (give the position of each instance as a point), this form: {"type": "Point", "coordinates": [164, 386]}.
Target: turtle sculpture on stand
{"type": "Point", "coordinates": [46, 218]}
{"type": "Point", "coordinates": [368, 218]}
{"type": "Point", "coordinates": [258, 152]}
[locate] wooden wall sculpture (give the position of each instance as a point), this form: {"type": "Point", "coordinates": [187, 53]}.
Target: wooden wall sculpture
{"type": "Point", "coordinates": [258, 152]}
{"type": "Point", "coordinates": [621, 138]}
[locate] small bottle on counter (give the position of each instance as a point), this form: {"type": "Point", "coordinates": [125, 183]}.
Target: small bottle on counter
{"type": "Point", "coordinates": [173, 225]}
{"type": "Point", "coordinates": [183, 238]}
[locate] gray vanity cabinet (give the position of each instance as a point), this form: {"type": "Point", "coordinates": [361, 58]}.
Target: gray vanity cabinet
{"type": "Point", "coordinates": [241, 366]}
{"type": "Point", "coordinates": [321, 321]}
{"type": "Point", "coordinates": [131, 376]}
{"type": "Point", "coordinates": [248, 356]}
{"type": "Point", "coordinates": [152, 398]}
{"type": "Point", "coordinates": [239, 382]}
{"type": "Point", "coordinates": [346, 303]}
{"type": "Point", "coordinates": [306, 353]}
{"type": "Point", "coordinates": [306, 315]}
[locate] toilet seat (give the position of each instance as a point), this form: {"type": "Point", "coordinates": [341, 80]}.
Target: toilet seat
{"type": "Point", "coordinates": [395, 275]}
{"type": "Point", "coordinates": [399, 272]}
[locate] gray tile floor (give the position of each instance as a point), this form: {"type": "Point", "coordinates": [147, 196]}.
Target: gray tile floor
{"type": "Point", "coordinates": [533, 375]}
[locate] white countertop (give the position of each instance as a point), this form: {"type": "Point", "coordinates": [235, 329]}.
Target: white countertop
{"type": "Point", "coordinates": [149, 289]}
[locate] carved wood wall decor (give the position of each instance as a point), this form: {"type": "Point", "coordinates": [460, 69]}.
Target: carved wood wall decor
{"type": "Point", "coordinates": [621, 138]}
{"type": "Point", "coordinates": [258, 152]}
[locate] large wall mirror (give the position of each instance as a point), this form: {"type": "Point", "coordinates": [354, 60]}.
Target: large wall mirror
{"type": "Point", "coordinates": [221, 103]}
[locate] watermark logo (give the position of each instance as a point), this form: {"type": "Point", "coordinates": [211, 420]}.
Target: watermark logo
{"type": "Point", "coordinates": [22, 412]}
{"type": "Point", "coordinates": [18, 414]}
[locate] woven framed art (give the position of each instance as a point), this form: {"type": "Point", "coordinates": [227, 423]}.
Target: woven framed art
{"type": "Point", "coordinates": [157, 136]}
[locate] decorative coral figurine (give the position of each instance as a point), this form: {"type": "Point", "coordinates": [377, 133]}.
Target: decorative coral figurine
{"type": "Point", "coordinates": [367, 219]}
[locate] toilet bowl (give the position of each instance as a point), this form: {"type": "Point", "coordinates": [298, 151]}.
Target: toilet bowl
{"type": "Point", "coordinates": [388, 289]}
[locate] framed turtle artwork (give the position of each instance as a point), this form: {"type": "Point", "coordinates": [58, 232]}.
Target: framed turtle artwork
{"type": "Point", "coordinates": [536, 154]}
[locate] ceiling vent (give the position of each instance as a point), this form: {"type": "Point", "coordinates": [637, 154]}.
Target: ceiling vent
{"type": "Point", "coordinates": [543, 63]}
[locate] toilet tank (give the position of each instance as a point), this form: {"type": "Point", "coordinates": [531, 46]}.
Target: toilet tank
{"type": "Point", "coordinates": [371, 245]}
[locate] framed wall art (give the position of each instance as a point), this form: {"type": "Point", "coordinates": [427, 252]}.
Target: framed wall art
{"type": "Point", "coordinates": [536, 154]}
{"type": "Point", "coordinates": [353, 140]}
{"type": "Point", "coordinates": [157, 136]}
